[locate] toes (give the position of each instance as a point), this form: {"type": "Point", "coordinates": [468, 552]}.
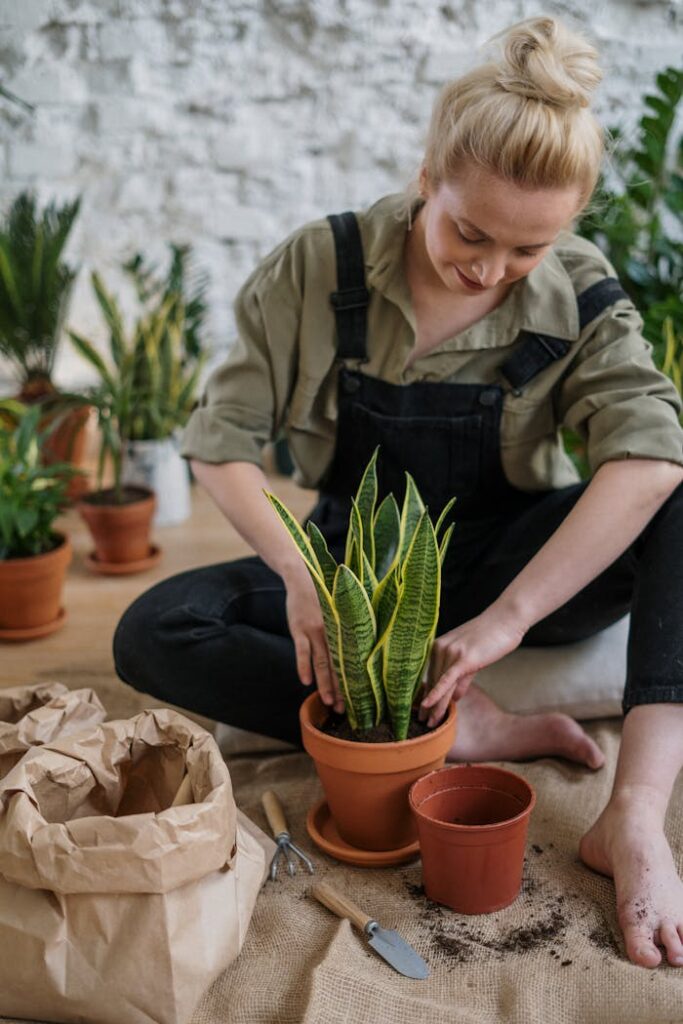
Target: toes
{"type": "Point", "coordinates": [572, 742]}
{"type": "Point", "coordinates": [640, 948]}
{"type": "Point", "coordinates": [671, 940]}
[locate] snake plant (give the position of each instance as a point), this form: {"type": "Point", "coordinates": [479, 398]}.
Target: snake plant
{"type": "Point", "coordinates": [380, 606]}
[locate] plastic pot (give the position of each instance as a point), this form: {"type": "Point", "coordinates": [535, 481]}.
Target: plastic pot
{"type": "Point", "coordinates": [472, 823]}
{"type": "Point", "coordinates": [366, 784]}
{"type": "Point", "coordinates": [159, 466]}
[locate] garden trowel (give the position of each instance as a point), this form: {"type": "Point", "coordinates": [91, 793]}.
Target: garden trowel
{"type": "Point", "coordinates": [389, 944]}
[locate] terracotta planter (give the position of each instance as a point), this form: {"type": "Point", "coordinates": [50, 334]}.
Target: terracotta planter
{"type": "Point", "coordinates": [472, 822]}
{"type": "Point", "coordinates": [31, 592]}
{"type": "Point", "coordinates": [120, 532]}
{"type": "Point", "coordinates": [366, 784]}
{"type": "Point", "coordinates": [67, 444]}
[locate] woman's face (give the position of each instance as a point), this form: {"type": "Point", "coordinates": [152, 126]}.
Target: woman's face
{"type": "Point", "coordinates": [483, 233]}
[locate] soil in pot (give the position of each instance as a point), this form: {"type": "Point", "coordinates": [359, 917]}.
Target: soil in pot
{"type": "Point", "coordinates": [338, 726]}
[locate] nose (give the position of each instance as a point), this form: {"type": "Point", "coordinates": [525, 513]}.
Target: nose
{"type": "Point", "coordinates": [490, 271]}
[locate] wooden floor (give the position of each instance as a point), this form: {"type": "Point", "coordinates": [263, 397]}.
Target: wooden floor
{"type": "Point", "coordinates": [80, 653]}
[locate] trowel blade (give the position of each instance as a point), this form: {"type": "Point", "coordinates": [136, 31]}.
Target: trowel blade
{"type": "Point", "coordinates": [397, 952]}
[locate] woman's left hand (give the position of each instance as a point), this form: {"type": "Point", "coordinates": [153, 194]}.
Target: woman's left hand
{"type": "Point", "coordinates": [459, 654]}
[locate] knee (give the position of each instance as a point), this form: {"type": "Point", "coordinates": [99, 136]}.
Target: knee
{"type": "Point", "coordinates": [131, 645]}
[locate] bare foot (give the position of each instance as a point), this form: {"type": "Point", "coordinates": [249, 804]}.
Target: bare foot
{"type": "Point", "coordinates": [487, 733]}
{"type": "Point", "coordinates": [628, 844]}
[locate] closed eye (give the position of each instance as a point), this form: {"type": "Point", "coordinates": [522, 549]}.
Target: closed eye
{"type": "Point", "coordinates": [480, 241]}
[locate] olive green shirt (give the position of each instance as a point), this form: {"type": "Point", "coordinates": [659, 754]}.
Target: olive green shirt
{"type": "Point", "coordinates": [282, 372]}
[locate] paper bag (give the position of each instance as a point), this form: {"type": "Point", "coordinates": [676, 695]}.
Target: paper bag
{"type": "Point", "coordinates": [116, 907]}
{"type": "Point", "coordinates": [33, 715]}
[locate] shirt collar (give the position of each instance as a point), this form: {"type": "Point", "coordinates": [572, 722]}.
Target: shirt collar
{"type": "Point", "coordinates": [543, 302]}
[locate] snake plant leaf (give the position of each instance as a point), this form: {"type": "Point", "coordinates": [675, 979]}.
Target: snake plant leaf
{"type": "Point", "coordinates": [387, 530]}
{"type": "Point", "coordinates": [445, 541]}
{"type": "Point", "coordinates": [442, 518]}
{"type": "Point", "coordinates": [366, 499]}
{"type": "Point", "coordinates": [326, 561]}
{"type": "Point", "coordinates": [332, 625]}
{"type": "Point", "coordinates": [413, 624]}
{"type": "Point", "coordinates": [354, 542]}
{"type": "Point", "coordinates": [369, 578]}
{"type": "Point", "coordinates": [384, 600]}
{"type": "Point", "coordinates": [357, 640]}
{"type": "Point", "coordinates": [413, 508]}
{"type": "Point", "coordinates": [296, 533]}
{"type": "Point", "coordinates": [374, 666]}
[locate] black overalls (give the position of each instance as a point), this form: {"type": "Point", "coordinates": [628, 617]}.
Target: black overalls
{"type": "Point", "coordinates": [215, 640]}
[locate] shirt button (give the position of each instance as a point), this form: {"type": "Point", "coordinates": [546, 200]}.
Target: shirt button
{"type": "Point", "coordinates": [488, 397]}
{"type": "Point", "coordinates": [351, 385]}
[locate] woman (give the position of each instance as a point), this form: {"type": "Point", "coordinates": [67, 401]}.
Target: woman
{"type": "Point", "coordinates": [458, 328]}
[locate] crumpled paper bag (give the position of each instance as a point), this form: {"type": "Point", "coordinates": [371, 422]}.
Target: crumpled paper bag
{"type": "Point", "coordinates": [116, 907]}
{"type": "Point", "coordinates": [33, 715]}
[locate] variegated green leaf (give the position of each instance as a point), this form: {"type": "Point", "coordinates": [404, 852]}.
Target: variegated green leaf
{"type": "Point", "coordinates": [366, 499]}
{"type": "Point", "coordinates": [357, 641]}
{"type": "Point", "coordinates": [442, 518]}
{"type": "Point", "coordinates": [296, 533]}
{"type": "Point", "coordinates": [445, 541]}
{"type": "Point", "coordinates": [353, 556]}
{"type": "Point", "coordinates": [387, 530]}
{"type": "Point", "coordinates": [413, 507]}
{"type": "Point", "coordinates": [326, 561]}
{"type": "Point", "coordinates": [369, 578]}
{"type": "Point", "coordinates": [384, 600]}
{"type": "Point", "coordinates": [412, 626]}
{"type": "Point", "coordinates": [375, 662]}
{"type": "Point", "coordinates": [333, 637]}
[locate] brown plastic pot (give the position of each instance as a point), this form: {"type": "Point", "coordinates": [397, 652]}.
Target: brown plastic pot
{"type": "Point", "coordinates": [366, 784]}
{"type": "Point", "coordinates": [31, 592]}
{"type": "Point", "coordinates": [120, 532]}
{"type": "Point", "coordinates": [472, 823]}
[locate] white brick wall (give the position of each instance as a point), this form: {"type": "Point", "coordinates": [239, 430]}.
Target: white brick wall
{"type": "Point", "coordinates": [226, 123]}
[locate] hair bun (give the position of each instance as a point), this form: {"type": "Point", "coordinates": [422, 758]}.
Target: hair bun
{"type": "Point", "coordinates": [545, 61]}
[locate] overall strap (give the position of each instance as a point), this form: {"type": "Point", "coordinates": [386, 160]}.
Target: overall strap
{"type": "Point", "coordinates": [540, 350]}
{"type": "Point", "coordinates": [350, 301]}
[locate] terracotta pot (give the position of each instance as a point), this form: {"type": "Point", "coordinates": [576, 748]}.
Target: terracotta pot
{"type": "Point", "coordinates": [120, 532]}
{"type": "Point", "coordinates": [366, 784]}
{"type": "Point", "coordinates": [31, 591]}
{"type": "Point", "coordinates": [67, 444]}
{"type": "Point", "coordinates": [472, 822]}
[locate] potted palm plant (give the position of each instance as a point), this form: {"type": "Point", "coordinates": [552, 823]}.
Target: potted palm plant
{"type": "Point", "coordinates": [119, 516]}
{"type": "Point", "coordinates": [33, 556]}
{"type": "Point", "coordinates": [35, 289]}
{"type": "Point", "coordinates": [168, 374]}
{"type": "Point", "coordinates": [380, 608]}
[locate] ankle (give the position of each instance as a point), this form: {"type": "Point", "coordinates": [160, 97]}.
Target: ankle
{"type": "Point", "coordinates": [639, 800]}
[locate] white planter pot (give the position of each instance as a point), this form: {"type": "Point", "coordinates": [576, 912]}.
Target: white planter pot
{"type": "Point", "coordinates": [159, 466]}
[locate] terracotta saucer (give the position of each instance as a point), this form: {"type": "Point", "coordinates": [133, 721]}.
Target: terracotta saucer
{"type": "Point", "coordinates": [124, 568]}
{"type": "Point", "coordinates": [323, 832]}
{"type": "Point", "coordinates": [34, 632]}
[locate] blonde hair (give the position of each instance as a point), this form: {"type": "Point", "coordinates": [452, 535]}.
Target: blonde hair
{"type": "Point", "coordinates": [524, 116]}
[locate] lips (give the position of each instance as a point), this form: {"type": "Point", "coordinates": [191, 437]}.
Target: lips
{"type": "Point", "coordinates": [468, 282]}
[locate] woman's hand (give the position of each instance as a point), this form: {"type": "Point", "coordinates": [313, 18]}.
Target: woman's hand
{"type": "Point", "coordinates": [459, 654]}
{"type": "Point", "coordinates": [313, 661]}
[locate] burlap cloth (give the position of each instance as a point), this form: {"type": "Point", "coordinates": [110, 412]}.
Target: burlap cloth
{"type": "Point", "coordinates": [554, 957]}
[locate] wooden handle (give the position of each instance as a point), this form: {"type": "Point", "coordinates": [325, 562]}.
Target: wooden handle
{"type": "Point", "coordinates": [184, 794]}
{"type": "Point", "coordinates": [339, 905]}
{"type": "Point", "coordinates": [274, 813]}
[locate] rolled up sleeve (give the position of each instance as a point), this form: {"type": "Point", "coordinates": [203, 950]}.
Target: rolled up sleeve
{"type": "Point", "coordinates": [615, 398]}
{"type": "Point", "coordinates": [245, 397]}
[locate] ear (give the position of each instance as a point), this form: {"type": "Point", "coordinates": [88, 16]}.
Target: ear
{"type": "Point", "coordinates": [424, 182]}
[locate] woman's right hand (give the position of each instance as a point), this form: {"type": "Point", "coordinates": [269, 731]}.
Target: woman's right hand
{"type": "Point", "coordinates": [313, 660]}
